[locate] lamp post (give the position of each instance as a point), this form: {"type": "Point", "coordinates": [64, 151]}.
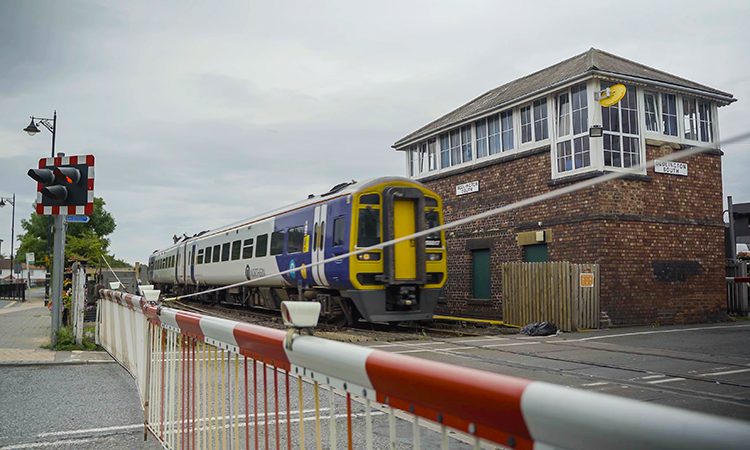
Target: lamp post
{"type": "Point", "coordinates": [32, 129]}
{"type": "Point", "coordinates": [1, 255]}
{"type": "Point", "coordinates": [12, 201]}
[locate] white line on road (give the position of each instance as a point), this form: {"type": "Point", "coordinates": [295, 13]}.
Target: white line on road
{"type": "Point", "coordinates": [666, 380]}
{"type": "Point", "coordinates": [598, 383]}
{"type": "Point", "coordinates": [68, 442]}
{"type": "Point", "coordinates": [10, 304]}
{"type": "Point", "coordinates": [638, 333]}
{"type": "Point", "coordinates": [728, 372]}
{"type": "Point", "coordinates": [91, 430]}
{"type": "Point", "coordinates": [650, 377]}
{"type": "Point", "coordinates": [467, 341]}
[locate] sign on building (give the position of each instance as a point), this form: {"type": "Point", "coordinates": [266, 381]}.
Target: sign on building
{"type": "Point", "coordinates": [671, 167]}
{"type": "Point", "coordinates": [586, 280]}
{"type": "Point", "coordinates": [467, 188]}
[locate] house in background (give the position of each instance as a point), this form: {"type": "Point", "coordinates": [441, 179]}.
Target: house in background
{"type": "Point", "coordinates": [34, 274]}
{"type": "Point", "coordinates": [657, 234]}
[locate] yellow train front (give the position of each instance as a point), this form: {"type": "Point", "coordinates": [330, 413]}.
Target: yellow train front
{"type": "Point", "coordinates": [400, 282]}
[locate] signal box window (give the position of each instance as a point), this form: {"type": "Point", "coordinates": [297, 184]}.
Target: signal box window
{"type": "Point", "coordinates": [236, 248]}
{"type": "Point", "coordinates": [277, 242]}
{"type": "Point", "coordinates": [247, 249]}
{"type": "Point", "coordinates": [338, 231]}
{"type": "Point", "coordinates": [369, 227]}
{"type": "Point", "coordinates": [295, 239]}
{"type": "Point", "coordinates": [261, 245]}
{"type": "Point", "coordinates": [217, 253]}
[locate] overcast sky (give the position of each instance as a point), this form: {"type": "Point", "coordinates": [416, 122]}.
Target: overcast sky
{"type": "Point", "coordinates": [203, 113]}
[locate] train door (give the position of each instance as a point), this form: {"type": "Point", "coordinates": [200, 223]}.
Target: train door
{"type": "Point", "coordinates": [177, 266]}
{"type": "Point", "coordinates": [192, 264]}
{"type": "Point", "coordinates": [318, 245]}
{"type": "Point", "coordinates": [403, 214]}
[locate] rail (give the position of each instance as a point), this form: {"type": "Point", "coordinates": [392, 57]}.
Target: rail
{"type": "Point", "coordinates": [206, 382]}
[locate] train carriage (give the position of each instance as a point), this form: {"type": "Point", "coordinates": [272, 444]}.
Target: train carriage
{"type": "Point", "coordinates": [398, 283]}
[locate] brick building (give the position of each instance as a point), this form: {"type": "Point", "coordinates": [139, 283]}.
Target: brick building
{"type": "Point", "coordinates": [657, 237]}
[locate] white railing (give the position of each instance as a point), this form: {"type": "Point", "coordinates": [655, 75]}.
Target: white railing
{"type": "Point", "coordinates": [207, 382]}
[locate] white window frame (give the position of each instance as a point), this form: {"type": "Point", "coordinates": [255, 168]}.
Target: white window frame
{"type": "Point", "coordinates": [680, 138]}
{"type": "Point", "coordinates": [571, 136]}
{"type": "Point", "coordinates": [640, 116]}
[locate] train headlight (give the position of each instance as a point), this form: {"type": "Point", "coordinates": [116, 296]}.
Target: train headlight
{"type": "Point", "coordinates": [434, 256]}
{"type": "Point", "coordinates": [369, 256]}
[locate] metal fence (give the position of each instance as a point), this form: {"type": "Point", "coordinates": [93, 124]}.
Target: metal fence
{"type": "Point", "coordinates": [560, 292]}
{"type": "Point", "coordinates": [13, 291]}
{"type": "Point", "coordinates": [737, 293]}
{"type": "Point", "coordinates": [212, 383]}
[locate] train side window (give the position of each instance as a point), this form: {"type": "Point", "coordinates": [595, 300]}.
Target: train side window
{"type": "Point", "coordinates": [208, 255]}
{"type": "Point", "coordinates": [247, 249]}
{"type": "Point", "coordinates": [217, 253]}
{"type": "Point", "coordinates": [261, 245]}
{"type": "Point", "coordinates": [277, 242]}
{"type": "Point", "coordinates": [236, 249]}
{"type": "Point", "coordinates": [338, 231]}
{"type": "Point", "coordinates": [295, 239]}
{"type": "Point", "coordinates": [200, 256]}
{"type": "Point", "coordinates": [225, 252]}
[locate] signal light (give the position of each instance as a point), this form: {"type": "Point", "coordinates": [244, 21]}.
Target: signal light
{"type": "Point", "coordinates": [65, 185]}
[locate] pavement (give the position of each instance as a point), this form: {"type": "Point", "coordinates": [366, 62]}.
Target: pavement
{"type": "Point", "coordinates": [25, 327]}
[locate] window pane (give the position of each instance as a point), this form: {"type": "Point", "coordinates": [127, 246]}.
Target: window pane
{"type": "Point", "coordinates": [494, 135]}
{"type": "Point", "coordinates": [217, 253]}
{"type": "Point", "coordinates": [277, 242]}
{"type": "Point", "coordinates": [630, 151]}
{"type": "Point", "coordinates": [225, 252]}
{"type": "Point", "coordinates": [540, 120]}
{"type": "Point", "coordinates": [706, 125]}
{"type": "Point", "coordinates": [422, 157]}
{"type": "Point", "coordinates": [652, 112]}
{"type": "Point", "coordinates": [208, 255]}
{"type": "Point", "coordinates": [200, 257]}
{"type": "Point", "coordinates": [261, 245]}
{"type": "Point", "coordinates": [506, 117]}
{"type": "Point", "coordinates": [338, 231]}
{"type": "Point", "coordinates": [369, 227]}
{"type": "Point", "coordinates": [455, 136]}
{"type": "Point", "coordinates": [445, 160]}
{"type": "Point", "coordinates": [563, 115]}
{"type": "Point", "coordinates": [481, 127]}
{"type": "Point", "coordinates": [466, 143]}
{"type": "Point", "coordinates": [295, 238]}
{"type": "Point", "coordinates": [581, 154]}
{"type": "Point", "coordinates": [580, 109]}
{"type": "Point", "coordinates": [690, 117]}
{"type": "Point", "coordinates": [247, 249]}
{"type": "Point", "coordinates": [526, 124]}
{"type": "Point", "coordinates": [612, 150]}
{"type": "Point", "coordinates": [431, 154]}
{"type": "Point", "coordinates": [564, 157]}
{"type": "Point", "coordinates": [669, 114]}
{"type": "Point", "coordinates": [236, 250]}
{"type": "Point", "coordinates": [629, 108]}
{"type": "Point", "coordinates": [410, 160]}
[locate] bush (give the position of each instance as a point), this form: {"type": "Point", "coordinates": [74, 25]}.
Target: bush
{"type": "Point", "coordinates": [66, 340]}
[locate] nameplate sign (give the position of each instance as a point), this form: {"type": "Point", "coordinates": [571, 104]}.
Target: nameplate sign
{"type": "Point", "coordinates": [467, 188]}
{"type": "Point", "coordinates": [671, 168]}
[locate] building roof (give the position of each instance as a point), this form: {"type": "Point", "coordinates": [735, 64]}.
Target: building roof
{"type": "Point", "coordinates": [5, 265]}
{"type": "Point", "coordinates": [593, 61]}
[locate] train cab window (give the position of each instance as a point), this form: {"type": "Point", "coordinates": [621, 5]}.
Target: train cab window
{"type": "Point", "coordinates": [236, 249]}
{"type": "Point", "coordinates": [369, 199]}
{"type": "Point", "coordinates": [430, 202]}
{"type": "Point", "coordinates": [277, 242]}
{"type": "Point", "coordinates": [338, 231]}
{"type": "Point", "coordinates": [295, 239]}
{"type": "Point", "coordinates": [217, 253]}
{"type": "Point", "coordinates": [261, 245]}
{"type": "Point", "coordinates": [208, 255]}
{"type": "Point", "coordinates": [200, 257]}
{"type": "Point", "coordinates": [247, 249]}
{"type": "Point", "coordinates": [432, 219]}
{"type": "Point", "coordinates": [368, 233]}
{"type": "Point", "coordinates": [225, 252]}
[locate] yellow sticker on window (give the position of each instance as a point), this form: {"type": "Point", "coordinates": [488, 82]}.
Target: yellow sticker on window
{"type": "Point", "coordinates": [306, 243]}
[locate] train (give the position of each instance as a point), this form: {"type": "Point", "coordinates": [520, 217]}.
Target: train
{"type": "Point", "coordinates": [398, 283]}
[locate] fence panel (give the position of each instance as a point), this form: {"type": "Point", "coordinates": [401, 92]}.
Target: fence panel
{"type": "Point", "coordinates": [551, 291]}
{"type": "Point", "coordinates": [213, 383]}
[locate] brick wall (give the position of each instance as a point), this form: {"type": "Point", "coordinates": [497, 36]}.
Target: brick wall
{"type": "Point", "coordinates": [633, 228]}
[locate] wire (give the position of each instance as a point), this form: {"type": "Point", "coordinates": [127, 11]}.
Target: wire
{"type": "Point", "coordinates": [636, 170]}
{"type": "Point", "coordinates": [113, 273]}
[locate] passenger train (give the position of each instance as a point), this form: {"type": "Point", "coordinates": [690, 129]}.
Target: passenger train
{"type": "Point", "coordinates": [401, 282]}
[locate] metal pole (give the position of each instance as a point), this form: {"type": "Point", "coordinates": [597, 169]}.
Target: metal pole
{"type": "Point", "coordinates": [57, 276]}
{"type": "Point", "coordinates": [12, 232]}
{"type": "Point", "coordinates": [732, 238]}
{"type": "Point", "coordinates": [49, 219]}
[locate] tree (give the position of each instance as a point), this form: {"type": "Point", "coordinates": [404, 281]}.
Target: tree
{"type": "Point", "coordinates": [84, 241]}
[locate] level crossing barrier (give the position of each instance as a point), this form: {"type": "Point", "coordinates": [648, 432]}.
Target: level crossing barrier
{"type": "Point", "coordinates": [209, 383]}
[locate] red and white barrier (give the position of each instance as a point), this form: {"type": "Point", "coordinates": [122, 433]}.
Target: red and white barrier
{"type": "Point", "coordinates": [206, 379]}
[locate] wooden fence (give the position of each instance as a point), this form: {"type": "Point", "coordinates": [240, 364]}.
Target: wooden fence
{"type": "Point", "coordinates": [559, 292]}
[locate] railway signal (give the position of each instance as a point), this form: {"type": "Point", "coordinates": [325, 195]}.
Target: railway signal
{"type": "Point", "coordinates": [65, 185]}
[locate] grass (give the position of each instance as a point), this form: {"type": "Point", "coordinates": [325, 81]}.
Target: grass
{"type": "Point", "coordinates": [66, 341]}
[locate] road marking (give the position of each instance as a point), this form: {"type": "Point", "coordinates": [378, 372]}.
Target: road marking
{"type": "Point", "coordinates": [10, 304]}
{"type": "Point", "coordinates": [467, 341]}
{"type": "Point", "coordinates": [435, 350]}
{"type": "Point", "coordinates": [678, 330]}
{"type": "Point", "coordinates": [666, 380]}
{"type": "Point", "coordinates": [598, 383]}
{"type": "Point", "coordinates": [51, 443]}
{"type": "Point", "coordinates": [728, 372]}
{"type": "Point", "coordinates": [652, 377]}
{"type": "Point", "coordinates": [513, 344]}
{"type": "Point", "coordinates": [91, 430]}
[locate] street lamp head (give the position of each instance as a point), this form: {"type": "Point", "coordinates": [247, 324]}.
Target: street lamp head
{"type": "Point", "coordinates": [2, 203]}
{"type": "Point", "coordinates": [32, 129]}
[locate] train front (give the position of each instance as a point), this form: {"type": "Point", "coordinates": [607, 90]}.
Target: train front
{"type": "Point", "coordinates": [403, 281]}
